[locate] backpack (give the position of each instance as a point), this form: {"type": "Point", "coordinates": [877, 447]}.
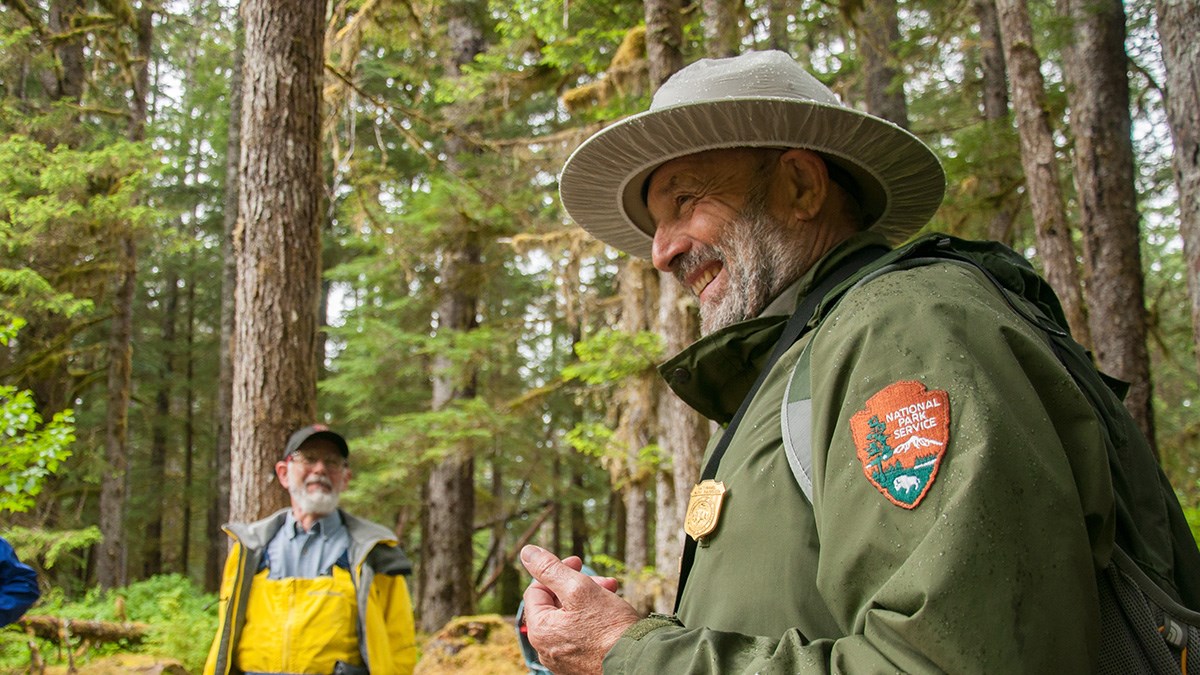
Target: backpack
{"type": "Point", "coordinates": [1149, 621]}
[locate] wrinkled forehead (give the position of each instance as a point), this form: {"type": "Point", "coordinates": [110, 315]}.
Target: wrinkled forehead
{"type": "Point", "coordinates": [723, 164]}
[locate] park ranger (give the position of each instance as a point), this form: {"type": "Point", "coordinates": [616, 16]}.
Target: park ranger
{"type": "Point", "coordinates": [917, 484]}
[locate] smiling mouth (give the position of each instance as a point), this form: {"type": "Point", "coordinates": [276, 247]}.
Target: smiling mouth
{"type": "Point", "coordinates": [704, 279]}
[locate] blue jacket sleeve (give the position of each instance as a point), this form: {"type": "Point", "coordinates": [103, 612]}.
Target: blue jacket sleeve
{"type": "Point", "coordinates": [18, 585]}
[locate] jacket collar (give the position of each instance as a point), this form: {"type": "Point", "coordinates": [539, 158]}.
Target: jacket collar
{"type": "Point", "coordinates": [715, 373]}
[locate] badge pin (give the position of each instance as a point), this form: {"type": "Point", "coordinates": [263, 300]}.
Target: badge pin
{"type": "Point", "coordinates": [704, 509]}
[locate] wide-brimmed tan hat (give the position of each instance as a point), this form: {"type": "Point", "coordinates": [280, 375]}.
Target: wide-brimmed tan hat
{"type": "Point", "coordinates": [758, 99]}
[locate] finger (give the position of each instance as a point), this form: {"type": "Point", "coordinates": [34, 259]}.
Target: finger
{"type": "Point", "coordinates": [538, 598]}
{"type": "Point", "coordinates": [559, 578]}
{"type": "Point", "coordinates": [607, 583]}
{"type": "Point", "coordinates": [574, 562]}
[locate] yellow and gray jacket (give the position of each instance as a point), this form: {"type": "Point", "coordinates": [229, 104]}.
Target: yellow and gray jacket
{"type": "Point", "coordinates": [361, 613]}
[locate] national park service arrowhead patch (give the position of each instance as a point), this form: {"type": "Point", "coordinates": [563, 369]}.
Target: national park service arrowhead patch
{"type": "Point", "coordinates": [901, 437]}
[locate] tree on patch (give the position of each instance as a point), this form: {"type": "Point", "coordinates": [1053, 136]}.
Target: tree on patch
{"type": "Point", "coordinates": [878, 450]}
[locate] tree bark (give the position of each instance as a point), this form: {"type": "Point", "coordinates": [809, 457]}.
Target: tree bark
{"type": "Point", "coordinates": [446, 590]}
{"type": "Point", "coordinates": [71, 73]}
{"type": "Point", "coordinates": [1040, 161]}
{"type": "Point", "coordinates": [636, 425]}
{"type": "Point", "coordinates": [278, 259]}
{"type": "Point", "coordinates": [664, 39]}
{"type": "Point", "coordinates": [994, 98]}
{"type": "Point", "coordinates": [152, 545]}
{"type": "Point", "coordinates": [1178, 26]}
{"type": "Point", "coordinates": [112, 554]}
{"type": "Point", "coordinates": [991, 59]}
{"type": "Point", "coordinates": [877, 28]}
{"type": "Point", "coordinates": [219, 467]}
{"type": "Point", "coordinates": [720, 23]}
{"type": "Point", "coordinates": [58, 629]}
{"type": "Point", "coordinates": [1098, 93]}
{"type": "Point", "coordinates": [777, 18]}
{"type": "Point", "coordinates": [682, 432]}
{"type": "Point", "coordinates": [189, 419]}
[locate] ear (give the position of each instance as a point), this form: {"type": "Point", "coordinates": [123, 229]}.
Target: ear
{"type": "Point", "coordinates": [806, 182]}
{"type": "Point", "coordinates": [281, 472]}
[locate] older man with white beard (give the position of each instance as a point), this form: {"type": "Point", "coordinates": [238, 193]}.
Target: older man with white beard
{"type": "Point", "coordinates": [311, 588]}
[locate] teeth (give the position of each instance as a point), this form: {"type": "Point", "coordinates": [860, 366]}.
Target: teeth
{"type": "Point", "coordinates": [702, 281]}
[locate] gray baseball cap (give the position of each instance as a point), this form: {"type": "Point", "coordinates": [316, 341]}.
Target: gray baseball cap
{"type": "Point", "coordinates": [299, 436]}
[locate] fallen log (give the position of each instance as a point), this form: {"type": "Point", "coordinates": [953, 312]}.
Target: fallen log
{"type": "Point", "coordinates": [60, 629]}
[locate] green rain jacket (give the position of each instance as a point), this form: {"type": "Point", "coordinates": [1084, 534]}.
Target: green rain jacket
{"type": "Point", "coordinates": [994, 568]}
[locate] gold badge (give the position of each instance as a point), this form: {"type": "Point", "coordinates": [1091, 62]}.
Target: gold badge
{"type": "Point", "coordinates": [704, 508]}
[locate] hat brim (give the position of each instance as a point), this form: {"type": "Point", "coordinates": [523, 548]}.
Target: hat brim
{"type": "Point", "coordinates": [900, 181]}
{"type": "Point", "coordinates": [298, 439]}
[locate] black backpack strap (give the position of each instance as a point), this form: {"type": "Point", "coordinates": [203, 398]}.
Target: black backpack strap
{"type": "Point", "coordinates": [796, 326]}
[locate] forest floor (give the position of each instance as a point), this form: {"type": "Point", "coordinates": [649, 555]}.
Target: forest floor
{"type": "Point", "coordinates": [470, 644]}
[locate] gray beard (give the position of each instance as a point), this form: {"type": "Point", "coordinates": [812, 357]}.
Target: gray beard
{"type": "Point", "coordinates": [312, 503]}
{"type": "Point", "coordinates": [759, 259]}
{"type": "Point", "coordinates": [756, 257]}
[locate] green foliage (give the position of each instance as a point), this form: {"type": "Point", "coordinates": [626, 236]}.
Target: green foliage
{"type": "Point", "coordinates": [43, 549]}
{"type": "Point", "coordinates": [610, 356]}
{"type": "Point", "coordinates": [593, 440]}
{"type": "Point", "coordinates": [28, 454]}
{"type": "Point", "coordinates": [182, 620]}
{"type": "Point", "coordinates": [1192, 513]}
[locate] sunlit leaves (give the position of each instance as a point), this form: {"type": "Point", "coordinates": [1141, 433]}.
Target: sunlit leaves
{"type": "Point", "coordinates": [611, 356]}
{"type": "Point", "coordinates": [30, 452]}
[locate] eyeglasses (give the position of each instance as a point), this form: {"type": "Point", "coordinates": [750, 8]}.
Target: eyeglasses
{"type": "Point", "coordinates": [331, 462]}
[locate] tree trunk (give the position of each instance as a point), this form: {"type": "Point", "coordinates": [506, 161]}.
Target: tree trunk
{"type": "Point", "coordinates": [111, 560]}
{"type": "Point", "coordinates": [152, 546]}
{"type": "Point", "coordinates": [278, 259]}
{"type": "Point", "coordinates": [777, 18]}
{"type": "Point", "coordinates": [682, 432]}
{"type": "Point", "coordinates": [720, 23]}
{"type": "Point", "coordinates": [70, 77]}
{"type": "Point", "coordinates": [219, 467]}
{"type": "Point", "coordinates": [877, 29]}
{"type": "Point", "coordinates": [636, 425]}
{"type": "Point", "coordinates": [1098, 92]}
{"type": "Point", "coordinates": [1178, 26]}
{"type": "Point", "coordinates": [447, 590]}
{"type": "Point", "coordinates": [111, 557]}
{"type": "Point", "coordinates": [664, 39]}
{"type": "Point", "coordinates": [578, 519]}
{"type": "Point", "coordinates": [994, 97]}
{"type": "Point", "coordinates": [189, 419]}
{"type": "Point", "coordinates": [1040, 161]}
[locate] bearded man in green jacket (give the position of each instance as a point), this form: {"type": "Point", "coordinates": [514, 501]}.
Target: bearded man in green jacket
{"type": "Point", "coordinates": [917, 485]}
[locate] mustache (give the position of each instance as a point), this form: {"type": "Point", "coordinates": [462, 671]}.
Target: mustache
{"type": "Point", "coordinates": [689, 262]}
{"type": "Point", "coordinates": [323, 480]}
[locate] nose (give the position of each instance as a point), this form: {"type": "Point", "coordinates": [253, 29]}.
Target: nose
{"type": "Point", "coordinates": [668, 245]}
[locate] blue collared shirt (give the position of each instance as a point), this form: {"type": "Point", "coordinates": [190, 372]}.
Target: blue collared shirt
{"type": "Point", "coordinates": [294, 553]}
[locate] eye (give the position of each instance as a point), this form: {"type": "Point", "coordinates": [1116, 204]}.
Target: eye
{"type": "Point", "coordinates": [683, 199]}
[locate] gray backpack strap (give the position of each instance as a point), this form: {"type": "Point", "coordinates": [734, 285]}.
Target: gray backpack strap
{"type": "Point", "coordinates": [796, 420]}
{"type": "Point", "coordinates": [1142, 629]}
{"type": "Point", "coordinates": [796, 412]}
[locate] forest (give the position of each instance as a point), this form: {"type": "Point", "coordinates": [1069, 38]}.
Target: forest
{"type": "Point", "coordinates": [222, 221]}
